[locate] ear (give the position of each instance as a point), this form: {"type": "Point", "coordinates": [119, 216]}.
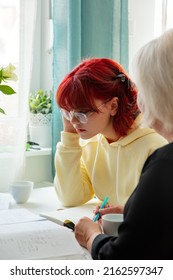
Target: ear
{"type": "Point", "coordinates": [114, 106]}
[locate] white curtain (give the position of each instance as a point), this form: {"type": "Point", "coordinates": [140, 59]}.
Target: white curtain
{"type": "Point", "coordinates": [13, 130]}
{"type": "Point", "coordinates": [27, 33]}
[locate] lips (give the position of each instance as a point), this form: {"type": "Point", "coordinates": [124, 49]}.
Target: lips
{"type": "Point", "coordinates": [79, 130]}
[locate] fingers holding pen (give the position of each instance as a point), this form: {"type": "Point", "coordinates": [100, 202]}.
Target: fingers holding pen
{"type": "Point", "coordinates": [119, 209]}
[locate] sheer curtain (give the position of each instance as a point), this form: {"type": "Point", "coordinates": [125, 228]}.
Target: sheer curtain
{"type": "Point", "coordinates": [86, 28]}
{"type": "Point", "coordinates": [13, 130]}
{"type": "Point", "coordinates": [27, 34]}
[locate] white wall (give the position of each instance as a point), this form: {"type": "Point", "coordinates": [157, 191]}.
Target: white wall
{"type": "Point", "coordinates": [38, 168]}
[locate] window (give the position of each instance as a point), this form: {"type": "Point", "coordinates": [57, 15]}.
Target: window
{"type": "Point", "coordinates": [9, 48]}
{"type": "Point", "coordinates": [168, 14]}
{"type": "Point", "coordinates": [163, 16]}
{"type": "Point", "coordinates": [24, 36]}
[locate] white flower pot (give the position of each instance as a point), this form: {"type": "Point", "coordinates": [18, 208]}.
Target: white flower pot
{"type": "Point", "coordinates": [40, 129]}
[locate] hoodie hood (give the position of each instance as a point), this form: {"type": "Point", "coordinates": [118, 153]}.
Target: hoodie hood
{"type": "Point", "coordinates": [133, 136]}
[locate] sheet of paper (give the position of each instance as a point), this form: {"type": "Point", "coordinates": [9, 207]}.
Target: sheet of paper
{"type": "Point", "coordinates": [72, 213]}
{"type": "Point", "coordinates": [38, 240]}
{"type": "Point", "coordinates": [21, 215]}
{"type": "Point", "coordinates": [5, 199]}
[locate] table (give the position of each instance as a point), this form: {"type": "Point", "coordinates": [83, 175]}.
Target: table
{"type": "Point", "coordinates": [41, 200]}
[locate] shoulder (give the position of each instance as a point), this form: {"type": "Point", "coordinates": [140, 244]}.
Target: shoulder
{"type": "Point", "coordinates": [141, 136]}
{"type": "Point", "coordinates": [149, 135]}
{"type": "Point", "coordinates": [165, 152]}
{"type": "Point", "coordinates": [154, 139]}
{"type": "Point", "coordinates": [161, 158]}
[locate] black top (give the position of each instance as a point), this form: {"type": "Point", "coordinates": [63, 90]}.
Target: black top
{"type": "Point", "coordinates": [147, 230]}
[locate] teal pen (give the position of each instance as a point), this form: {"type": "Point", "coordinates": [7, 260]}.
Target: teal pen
{"type": "Point", "coordinates": [101, 207]}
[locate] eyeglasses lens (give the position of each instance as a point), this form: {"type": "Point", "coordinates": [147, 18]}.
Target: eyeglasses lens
{"type": "Point", "coordinates": [81, 117]}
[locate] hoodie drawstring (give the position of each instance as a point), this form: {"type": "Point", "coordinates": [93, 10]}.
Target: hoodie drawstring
{"type": "Point", "coordinates": [117, 167]}
{"type": "Point", "coordinates": [97, 152]}
{"type": "Point", "coordinates": [117, 173]}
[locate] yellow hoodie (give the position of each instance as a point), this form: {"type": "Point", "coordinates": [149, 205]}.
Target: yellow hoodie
{"type": "Point", "coordinates": [88, 167]}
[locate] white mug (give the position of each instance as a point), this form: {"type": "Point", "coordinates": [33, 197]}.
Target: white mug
{"type": "Point", "coordinates": [21, 190]}
{"type": "Point", "coordinates": [111, 222]}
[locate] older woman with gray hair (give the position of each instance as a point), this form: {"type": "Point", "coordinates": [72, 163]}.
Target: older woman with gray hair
{"type": "Point", "coordinates": [147, 229]}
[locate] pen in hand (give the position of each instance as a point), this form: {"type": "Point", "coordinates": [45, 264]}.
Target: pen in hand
{"type": "Point", "coordinates": [97, 216]}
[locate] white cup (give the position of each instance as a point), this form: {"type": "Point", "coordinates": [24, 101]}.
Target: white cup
{"type": "Point", "coordinates": [21, 190]}
{"type": "Point", "coordinates": [111, 222]}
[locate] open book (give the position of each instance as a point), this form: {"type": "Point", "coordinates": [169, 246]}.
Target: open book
{"type": "Point", "coordinates": [72, 213]}
{"type": "Point", "coordinates": [29, 236]}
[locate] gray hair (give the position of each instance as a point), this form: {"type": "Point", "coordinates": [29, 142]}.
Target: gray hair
{"type": "Point", "coordinates": [152, 68]}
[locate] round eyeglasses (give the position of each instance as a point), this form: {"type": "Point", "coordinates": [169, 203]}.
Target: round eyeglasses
{"type": "Point", "coordinates": [81, 117]}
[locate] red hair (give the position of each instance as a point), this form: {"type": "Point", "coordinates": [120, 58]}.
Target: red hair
{"type": "Point", "coordinates": [97, 78]}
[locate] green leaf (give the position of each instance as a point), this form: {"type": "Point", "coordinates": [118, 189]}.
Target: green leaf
{"type": "Point", "coordinates": [2, 111]}
{"type": "Point", "coordinates": [7, 90]}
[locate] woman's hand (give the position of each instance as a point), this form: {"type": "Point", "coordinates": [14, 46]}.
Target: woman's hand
{"type": "Point", "coordinates": [119, 209]}
{"type": "Point", "coordinates": [85, 232]}
{"type": "Point", "coordinates": [68, 127]}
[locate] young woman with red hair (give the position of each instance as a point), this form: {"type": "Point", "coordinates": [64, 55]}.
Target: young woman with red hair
{"type": "Point", "coordinates": [103, 148]}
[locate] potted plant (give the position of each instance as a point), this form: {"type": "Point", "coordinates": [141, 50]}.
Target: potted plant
{"type": "Point", "coordinates": [40, 119]}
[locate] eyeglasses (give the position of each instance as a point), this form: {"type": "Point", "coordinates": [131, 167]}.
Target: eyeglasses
{"type": "Point", "coordinates": [81, 117]}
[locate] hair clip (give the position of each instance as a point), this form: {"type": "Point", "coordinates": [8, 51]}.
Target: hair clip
{"type": "Point", "coordinates": [122, 77]}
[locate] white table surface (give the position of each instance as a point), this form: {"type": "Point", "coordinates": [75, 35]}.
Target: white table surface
{"type": "Point", "coordinates": [41, 200]}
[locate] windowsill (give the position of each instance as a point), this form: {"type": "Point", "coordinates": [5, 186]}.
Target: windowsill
{"type": "Point", "coordinates": [41, 152]}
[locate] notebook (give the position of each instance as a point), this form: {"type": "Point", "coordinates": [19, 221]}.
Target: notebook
{"type": "Point", "coordinates": [24, 235]}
